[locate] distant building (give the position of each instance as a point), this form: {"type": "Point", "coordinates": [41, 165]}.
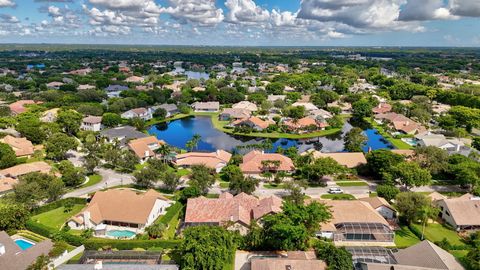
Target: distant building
{"type": "Point", "coordinates": [171, 109]}
{"type": "Point", "coordinates": [142, 113]}
{"type": "Point", "coordinates": [92, 123]}
{"type": "Point", "coordinates": [122, 134]}
{"type": "Point", "coordinates": [213, 106]}
{"type": "Point", "coordinates": [21, 146]}
{"type": "Point", "coordinates": [252, 122]}
{"type": "Point", "coordinates": [234, 114]}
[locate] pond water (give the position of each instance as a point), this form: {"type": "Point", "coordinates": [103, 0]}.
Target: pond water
{"type": "Point", "coordinates": [178, 132]}
{"type": "Point", "coordinates": [192, 74]}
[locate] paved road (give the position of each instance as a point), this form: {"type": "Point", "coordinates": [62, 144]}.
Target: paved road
{"type": "Point", "coordinates": [110, 178]}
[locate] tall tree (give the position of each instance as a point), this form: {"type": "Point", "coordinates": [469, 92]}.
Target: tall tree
{"type": "Point", "coordinates": [355, 140]}
{"type": "Point", "coordinates": [410, 175]}
{"type": "Point", "coordinates": [69, 121]}
{"type": "Point", "coordinates": [58, 145]}
{"type": "Point", "coordinates": [202, 178]}
{"type": "Point", "coordinates": [7, 156]}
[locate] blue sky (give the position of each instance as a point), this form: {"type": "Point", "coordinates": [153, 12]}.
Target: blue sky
{"type": "Point", "coordinates": [243, 22]}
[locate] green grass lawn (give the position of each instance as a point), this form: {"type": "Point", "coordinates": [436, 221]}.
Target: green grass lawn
{"type": "Point", "coordinates": [274, 186]}
{"type": "Point", "coordinates": [373, 194]}
{"type": "Point", "coordinates": [172, 227]}
{"type": "Point", "coordinates": [57, 217]}
{"type": "Point", "coordinates": [436, 232]}
{"type": "Point", "coordinates": [338, 196]}
{"type": "Point", "coordinates": [183, 172]}
{"type": "Point", "coordinates": [352, 184]}
{"type": "Point", "coordinates": [404, 237]}
{"type": "Point", "coordinates": [92, 180]}
{"type": "Point", "coordinates": [398, 143]}
{"type": "Point", "coordinates": [224, 184]}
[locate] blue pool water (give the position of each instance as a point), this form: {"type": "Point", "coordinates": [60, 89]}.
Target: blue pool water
{"type": "Point", "coordinates": [24, 244]}
{"type": "Point", "coordinates": [120, 233]}
{"type": "Point", "coordinates": [178, 132]}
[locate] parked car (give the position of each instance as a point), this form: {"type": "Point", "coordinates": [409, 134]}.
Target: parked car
{"type": "Point", "coordinates": [335, 190]}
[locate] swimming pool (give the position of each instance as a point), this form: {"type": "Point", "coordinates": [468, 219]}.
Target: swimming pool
{"type": "Point", "coordinates": [24, 244]}
{"type": "Point", "coordinates": [121, 233]}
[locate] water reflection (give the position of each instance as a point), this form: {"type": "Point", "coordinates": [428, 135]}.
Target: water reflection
{"type": "Point", "coordinates": [178, 132]}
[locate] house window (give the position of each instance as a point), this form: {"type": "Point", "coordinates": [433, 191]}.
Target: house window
{"type": "Point", "coordinates": [447, 213]}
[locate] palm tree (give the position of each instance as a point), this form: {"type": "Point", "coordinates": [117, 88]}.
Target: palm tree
{"type": "Point", "coordinates": [163, 150]}
{"type": "Point", "coordinates": [426, 213]}
{"type": "Point", "coordinates": [196, 139]}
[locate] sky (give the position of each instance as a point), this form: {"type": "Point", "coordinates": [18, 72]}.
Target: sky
{"type": "Point", "coordinates": [243, 22]}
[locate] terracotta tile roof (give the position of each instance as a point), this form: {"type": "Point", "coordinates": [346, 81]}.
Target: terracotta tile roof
{"type": "Point", "coordinates": [240, 208]}
{"type": "Point", "coordinates": [464, 210]}
{"type": "Point", "coordinates": [19, 106]}
{"type": "Point", "coordinates": [121, 205]}
{"type": "Point", "coordinates": [7, 183]}
{"type": "Point", "coordinates": [302, 123]}
{"type": "Point", "coordinates": [342, 212]}
{"type": "Point", "coordinates": [252, 162]}
{"type": "Point", "coordinates": [211, 160]}
{"type": "Point", "coordinates": [376, 202]}
{"type": "Point", "coordinates": [255, 121]}
{"type": "Point", "coordinates": [21, 146]}
{"type": "Point", "coordinates": [382, 108]}
{"type": "Point", "coordinates": [427, 254]}
{"type": "Point", "coordinates": [144, 147]}
{"type": "Point", "coordinates": [92, 119]}
{"type": "Point", "coordinates": [402, 123]}
{"type": "Point", "coordinates": [347, 159]}
{"type": "Point", "coordinates": [21, 169]}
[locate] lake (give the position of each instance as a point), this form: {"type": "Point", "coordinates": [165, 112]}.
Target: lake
{"type": "Point", "coordinates": [178, 132]}
{"type": "Point", "coordinates": [192, 74]}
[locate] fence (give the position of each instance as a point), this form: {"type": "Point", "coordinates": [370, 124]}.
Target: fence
{"type": "Point", "coordinates": [66, 257]}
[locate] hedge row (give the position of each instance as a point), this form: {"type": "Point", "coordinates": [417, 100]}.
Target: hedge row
{"type": "Point", "coordinates": [97, 243]}
{"type": "Point", "coordinates": [172, 211]}
{"type": "Point", "coordinates": [48, 232]}
{"type": "Point", "coordinates": [57, 204]}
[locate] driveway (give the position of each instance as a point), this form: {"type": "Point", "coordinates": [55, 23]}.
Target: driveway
{"type": "Point", "coordinates": [110, 178]}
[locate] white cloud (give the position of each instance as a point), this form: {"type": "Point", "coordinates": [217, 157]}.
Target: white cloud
{"type": "Point", "coordinates": [425, 10]}
{"type": "Point", "coordinates": [202, 12]}
{"type": "Point", "coordinates": [467, 8]}
{"type": "Point", "coordinates": [7, 3]}
{"type": "Point", "coordinates": [144, 5]}
{"type": "Point", "coordinates": [245, 11]}
{"type": "Point", "coordinates": [6, 18]}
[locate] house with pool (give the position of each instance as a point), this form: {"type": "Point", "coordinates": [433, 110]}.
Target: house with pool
{"type": "Point", "coordinates": [17, 253]}
{"type": "Point", "coordinates": [120, 213]}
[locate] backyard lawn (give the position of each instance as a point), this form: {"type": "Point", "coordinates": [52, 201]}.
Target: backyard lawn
{"type": "Point", "coordinates": [57, 217]}
{"type": "Point", "coordinates": [436, 232]}
{"type": "Point", "coordinates": [404, 237]}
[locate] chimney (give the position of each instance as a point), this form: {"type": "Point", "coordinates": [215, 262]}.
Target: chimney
{"type": "Point", "coordinates": [457, 147]}
{"type": "Point", "coordinates": [147, 153]}
{"type": "Point", "coordinates": [86, 219]}
{"type": "Point", "coordinates": [2, 249]}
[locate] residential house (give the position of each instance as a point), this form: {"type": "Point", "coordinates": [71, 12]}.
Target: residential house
{"type": "Point", "coordinates": [362, 227]}
{"type": "Point", "coordinates": [6, 184]}
{"type": "Point", "coordinates": [135, 79]}
{"type": "Point", "coordinates": [13, 257]}
{"type": "Point", "coordinates": [345, 107]}
{"type": "Point", "coordinates": [307, 105]}
{"type": "Point", "coordinates": [49, 116]}
{"type": "Point", "coordinates": [462, 213]}
{"type": "Point", "coordinates": [92, 123]}
{"type": "Point", "coordinates": [18, 107]}
{"type": "Point", "coordinates": [273, 98]}
{"type": "Point", "coordinates": [171, 109]}
{"type": "Point", "coordinates": [86, 87]}
{"type": "Point", "coordinates": [245, 105]}
{"type": "Point", "coordinates": [257, 162]}
{"type": "Point", "coordinates": [144, 148]}
{"type": "Point", "coordinates": [305, 124]}
{"type": "Point", "coordinates": [81, 72]}
{"type": "Point", "coordinates": [214, 160]}
{"type": "Point", "coordinates": [142, 113]}
{"type": "Point", "coordinates": [238, 210]}
{"type": "Point", "coordinates": [25, 168]}
{"type": "Point", "coordinates": [114, 90]}
{"type": "Point", "coordinates": [124, 208]}
{"type": "Point", "coordinates": [252, 122]}
{"type": "Point", "coordinates": [401, 123]}
{"type": "Point", "coordinates": [321, 114]}
{"type": "Point", "coordinates": [348, 159]}
{"type": "Point", "coordinates": [122, 134]}
{"type": "Point", "coordinates": [452, 145]}
{"type": "Point", "coordinates": [381, 206]}
{"type": "Point", "coordinates": [54, 85]}
{"type": "Point", "coordinates": [21, 146]}
{"type": "Point", "coordinates": [234, 114]}
{"type": "Point", "coordinates": [301, 260]}
{"type": "Point", "coordinates": [382, 107]}
{"type": "Point", "coordinates": [212, 106]}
